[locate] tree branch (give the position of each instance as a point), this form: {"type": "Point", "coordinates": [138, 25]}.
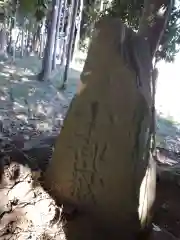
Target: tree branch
{"type": "Point", "coordinates": [154, 21]}
{"type": "Point", "coordinates": [157, 30]}
{"type": "Point", "coordinates": [143, 24]}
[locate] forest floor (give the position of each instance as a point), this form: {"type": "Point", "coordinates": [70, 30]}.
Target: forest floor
{"type": "Point", "coordinates": [31, 116]}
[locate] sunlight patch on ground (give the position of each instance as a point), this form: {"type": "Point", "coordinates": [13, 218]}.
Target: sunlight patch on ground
{"type": "Point", "coordinates": [26, 103]}
{"type": "Point", "coordinates": [4, 74]}
{"type": "Point", "coordinates": [78, 61]}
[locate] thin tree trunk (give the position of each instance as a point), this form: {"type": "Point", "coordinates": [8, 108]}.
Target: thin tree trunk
{"type": "Point", "coordinates": [42, 39]}
{"type": "Point", "coordinates": [3, 42]}
{"type": "Point", "coordinates": [28, 41]}
{"type": "Point", "coordinates": [67, 31]}
{"type": "Point", "coordinates": [37, 39]}
{"type": "Point", "coordinates": [57, 34]}
{"type": "Point", "coordinates": [17, 40]}
{"type": "Point", "coordinates": [3, 35]}
{"type": "Point", "coordinates": [14, 42]}
{"type": "Point", "coordinates": [64, 16]}
{"type": "Point", "coordinates": [22, 40]}
{"type": "Point", "coordinates": [48, 54]}
{"type": "Point", "coordinates": [33, 46]}
{"type": "Point", "coordinates": [10, 42]}
{"type": "Point", "coordinates": [74, 7]}
{"type": "Point", "coordinates": [66, 25]}
{"type": "Point", "coordinates": [77, 38]}
{"type": "Point", "coordinates": [62, 23]}
{"type": "Point", "coordinates": [101, 5]}
{"type": "Point", "coordinates": [154, 81]}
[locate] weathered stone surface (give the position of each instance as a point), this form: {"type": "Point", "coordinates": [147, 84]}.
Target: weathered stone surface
{"type": "Point", "coordinates": [99, 160]}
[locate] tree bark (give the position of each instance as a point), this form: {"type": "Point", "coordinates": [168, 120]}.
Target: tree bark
{"type": "Point", "coordinates": [77, 38]}
{"type": "Point", "coordinates": [36, 39]}
{"type": "Point", "coordinates": [62, 41]}
{"type": "Point", "coordinates": [42, 39]}
{"type": "Point", "coordinates": [74, 8]}
{"type": "Point", "coordinates": [3, 43]}
{"type": "Point", "coordinates": [67, 24]}
{"type": "Point", "coordinates": [22, 39]}
{"type": "Point", "coordinates": [48, 54]}
{"type": "Point", "coordinates": [144, 20]}
{"type": "Point", "coordinates": [101, 164]}
{"type": "Point", "coordinates": [3, 34]}
{"type": "Point", "coordinates": [153, 22]}
{"type": "Point", "coordinates": [12, 42]}
{"type": "Point", "coordinates": [57, 34]}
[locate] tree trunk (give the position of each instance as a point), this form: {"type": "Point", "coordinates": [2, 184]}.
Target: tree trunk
{"type": "Point", "coordinates": [144, 20]}
{"type": "Point", "coordinates": [77, 37]}
{"type": "Point", "coordinates": [3, 43]}
{"type": "Point", "coordinates": [67, 24]}
{"type": "Point", "coordinates": [12, 42]}
{"type": "Point", "coordinates": [17, 39]}
{"type": "Point", "coordinates": [102, 6]}
{"type": "Point", "coordinates": [101, 164]}
{"type": "Point", "coordinates": [13, 45]}
{"type": "Point", "coordinates": [74, 8]}
{"type": "Point", "coordinates": [22, 41]}
{"type": "Point", "coordinates": [48, 53]}
{"type": "Point", "coordinates": [35, 42]}
{"type": "Point", "coordinates": [62, 41]}
{"type": "Point", "coordinates": [3, 34]}
{"type": "Point", "coordinates": [57, 34]}
{"type": "Point", "coordinates": [42, 39]}
{"type": "Point", "coordinates": [28, 41]}
{"type": "Point", "coordinates": [37, 39]}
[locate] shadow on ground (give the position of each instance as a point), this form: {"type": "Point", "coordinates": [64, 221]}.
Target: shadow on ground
{"type": "Point", "coordinates": [168, 208]}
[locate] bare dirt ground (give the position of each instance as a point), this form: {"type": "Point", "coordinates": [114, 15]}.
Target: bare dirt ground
{"type": "Point", "coordinates": [26, 210]}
